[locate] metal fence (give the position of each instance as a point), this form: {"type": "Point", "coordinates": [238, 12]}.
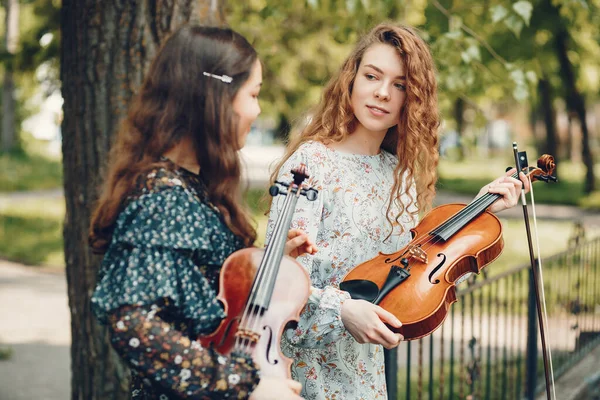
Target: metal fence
{"type": "Point", "coordinates": [488, 346]}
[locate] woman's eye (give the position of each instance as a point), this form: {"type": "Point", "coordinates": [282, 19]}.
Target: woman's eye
{"type": "Point", "coordinates": [400, 86]}
{"type": "Point", "coordinates": [370, 77]}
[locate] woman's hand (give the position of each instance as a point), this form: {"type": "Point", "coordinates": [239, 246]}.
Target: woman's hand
{"type": "Point", "coordinates": [298, 243]}
{"type": "Point", "coordinates": [366, 323]}
{"type": "Point", "coordinates": [276, 389]}
{"type": "Point", "coordinates": [508, 187]}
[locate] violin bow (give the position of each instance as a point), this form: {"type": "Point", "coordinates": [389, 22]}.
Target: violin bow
{"type": "Point", "coordinates": [536, 268]}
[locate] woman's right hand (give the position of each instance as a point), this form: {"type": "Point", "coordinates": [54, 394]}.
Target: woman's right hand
{"type": "Point", "coordinates": [366, 323]}
{"type": "Point", "coordinates": [277, 389]}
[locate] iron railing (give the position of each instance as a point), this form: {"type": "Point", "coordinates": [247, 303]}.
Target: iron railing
{"type": "Point", "coordinates": [488, 346]}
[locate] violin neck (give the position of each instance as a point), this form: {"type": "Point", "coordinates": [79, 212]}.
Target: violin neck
{"type": "Point", "coordinates": [455, 223]}
{"type": "Point", "coordinates": [266, 276]}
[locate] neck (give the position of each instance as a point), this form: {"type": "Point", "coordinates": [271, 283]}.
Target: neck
{"type": "Point", "coordinates": [361, 141]}
{"type": "Point", "coordinates": [183, 155]}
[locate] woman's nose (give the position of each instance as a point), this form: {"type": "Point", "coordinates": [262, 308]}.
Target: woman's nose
{"type": "Point", "coordinates": [382, 92]}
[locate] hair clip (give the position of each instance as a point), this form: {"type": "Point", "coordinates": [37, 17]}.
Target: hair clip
{"type": "Point", "coordinates": [224, 78]}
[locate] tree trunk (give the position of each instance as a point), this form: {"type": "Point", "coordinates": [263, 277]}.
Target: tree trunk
{"type": "Point", "coordinates": [106, 48]}
{"type": "Point", "coordinates": [9, 131]}
{"type": "Point", "coordinates": [547, 109]}
{"type": "Point", "coordinates": [459, 110]}
{"type": "Point", "coordinates": [576, 103]}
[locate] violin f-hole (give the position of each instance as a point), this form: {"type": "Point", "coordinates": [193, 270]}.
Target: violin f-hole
{"type": "Point", "coordinates": [437, 269]}
{"type": "Point", "coordinates": [269, 345]}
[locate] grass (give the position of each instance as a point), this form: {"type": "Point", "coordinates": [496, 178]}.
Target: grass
{"type": "Point", "coordinates": [31, 231]}
{"type": "Point", "coordinates": [468, 177]}
{"type": "Point", "coordinates": [28, 171]}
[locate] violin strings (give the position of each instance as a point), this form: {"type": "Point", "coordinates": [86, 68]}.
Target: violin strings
{"type": "Point", "coordinates": [252, 320]}
{"type": "Point", "coordinates": [460, 218]}
{"type": "Point", "coordinates": [272, 269]}
{"type": "Point", "coordinates": [250, 310]}
{"type": "Point", "coordinates": [469, 212]}
{"type": "Point", "coordinates": [542, 293]}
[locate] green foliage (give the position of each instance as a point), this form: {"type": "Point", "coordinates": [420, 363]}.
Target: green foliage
{"type": "Point", "coordinates": [36, 19]}
{"type": "Point", "coordinates": [303, 43]}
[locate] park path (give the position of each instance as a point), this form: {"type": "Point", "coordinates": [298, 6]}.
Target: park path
{"type": "Point", "coordinates": [35, 324]}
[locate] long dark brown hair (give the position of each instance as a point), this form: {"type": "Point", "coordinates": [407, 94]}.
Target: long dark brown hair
{"type": "Point", "coordinates": [177, 101]}
{"type": "Point", "coordinates": [414, 139]}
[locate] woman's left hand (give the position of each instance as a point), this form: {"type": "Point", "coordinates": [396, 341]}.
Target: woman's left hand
{"type": "Point", "coordinates": [298, 244]}
{"type": "Point", "coordinates": [508, 187]}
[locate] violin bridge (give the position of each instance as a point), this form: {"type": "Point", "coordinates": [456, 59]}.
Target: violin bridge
{"type": "Point", "coordinates": [417, 252]}
{"type": "Point", "coordinates": [248, 335]}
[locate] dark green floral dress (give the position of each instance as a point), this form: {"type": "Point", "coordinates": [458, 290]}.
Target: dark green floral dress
{"type": "Point", "coordinates": [157, 290]}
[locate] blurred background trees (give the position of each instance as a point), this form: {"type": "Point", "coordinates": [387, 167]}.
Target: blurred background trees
{"type": "Point", "coordinates": [527, 71]}
{"type": "Point", "coordinates": [532, 63]}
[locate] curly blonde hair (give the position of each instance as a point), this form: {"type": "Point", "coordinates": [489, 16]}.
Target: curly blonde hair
{"type": "Point", "coordinates": [415, 137]}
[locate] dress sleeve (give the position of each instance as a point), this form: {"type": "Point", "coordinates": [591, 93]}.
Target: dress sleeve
{"type": "Point", "coordinates": [171, 360]}
{"type": "Point", "coordinates": [320, 321]}
{"type": "Point", "coordinates": [162, 243]}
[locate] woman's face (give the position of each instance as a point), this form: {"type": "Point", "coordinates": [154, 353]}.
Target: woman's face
{"type": "Point", "coordinates": [245, 102]}
{"type": "Point", "coordinates": [379, 89]}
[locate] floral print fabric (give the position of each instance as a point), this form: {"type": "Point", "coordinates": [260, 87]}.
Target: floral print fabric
{"type": "Point", "coordinates": [181, 366]}
{"type": "Point", "coordinates": [348, 224]}
{"type": "Point", "coordinates": [161, 270]}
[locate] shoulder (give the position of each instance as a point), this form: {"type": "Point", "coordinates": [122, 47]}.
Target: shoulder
{"type": "Point", "coordinates": [314, 155]}
{"type": "Point", "coordinates": [312, 147]}
{"type": "Point", "coordinates": [169, 190]}
{"type": "Point", "coordinates": [157, 180]}
{"type": "Point", "coordinates": [389, 158]}
{"type": "Point", "coordinates": [167, 211]}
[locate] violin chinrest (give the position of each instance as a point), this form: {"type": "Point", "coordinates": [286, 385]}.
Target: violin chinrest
{"type": "Point", "coordinates": [361, 289]}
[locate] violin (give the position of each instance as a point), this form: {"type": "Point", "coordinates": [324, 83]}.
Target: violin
{"type": "Point", "coordinates": [255, 290]}
{"type": "Point", "coordinates": [417, 283]}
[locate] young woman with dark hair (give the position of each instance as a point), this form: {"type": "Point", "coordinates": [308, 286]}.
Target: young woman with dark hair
{"type": "Point", "coordinates": [171, 213]}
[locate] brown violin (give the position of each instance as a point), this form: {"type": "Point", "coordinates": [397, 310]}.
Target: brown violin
{"type": "Point", "coordinates": [417, 283]}
{"type": "Point", "coordinates": [255, 290]}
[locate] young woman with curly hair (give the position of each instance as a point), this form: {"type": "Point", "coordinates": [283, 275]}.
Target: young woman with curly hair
{"type": "Point", "coordinates": [170, 215]}
{"type": "Point", "coordinates": [371, 149]}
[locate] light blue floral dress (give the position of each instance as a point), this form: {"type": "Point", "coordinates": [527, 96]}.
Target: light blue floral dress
{"type": "Point", "coordinates": [348, 224]}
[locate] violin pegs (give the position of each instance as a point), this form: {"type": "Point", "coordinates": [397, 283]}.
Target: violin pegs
{"type": "Point", "coordinates": [274, 190]}
{"type": "Point", "coordinates": [311, 194]}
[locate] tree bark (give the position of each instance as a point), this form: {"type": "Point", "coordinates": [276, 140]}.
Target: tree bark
{"type": "Point", "coordinates": [9, 130]}
{"type": "Point", "coordinates": [459, 111]}
{"type": "Point", "coordinates": [547, 109]}
{"type": "Point", "coordinates": [576, 103]}
{"type": "Point", "coordinates": [106, 48]}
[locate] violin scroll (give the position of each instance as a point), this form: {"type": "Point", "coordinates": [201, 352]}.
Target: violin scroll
{"type": "Point", "coordinates": [299, 176]}
{"type": "Point", "coordinates": [544, 171]}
